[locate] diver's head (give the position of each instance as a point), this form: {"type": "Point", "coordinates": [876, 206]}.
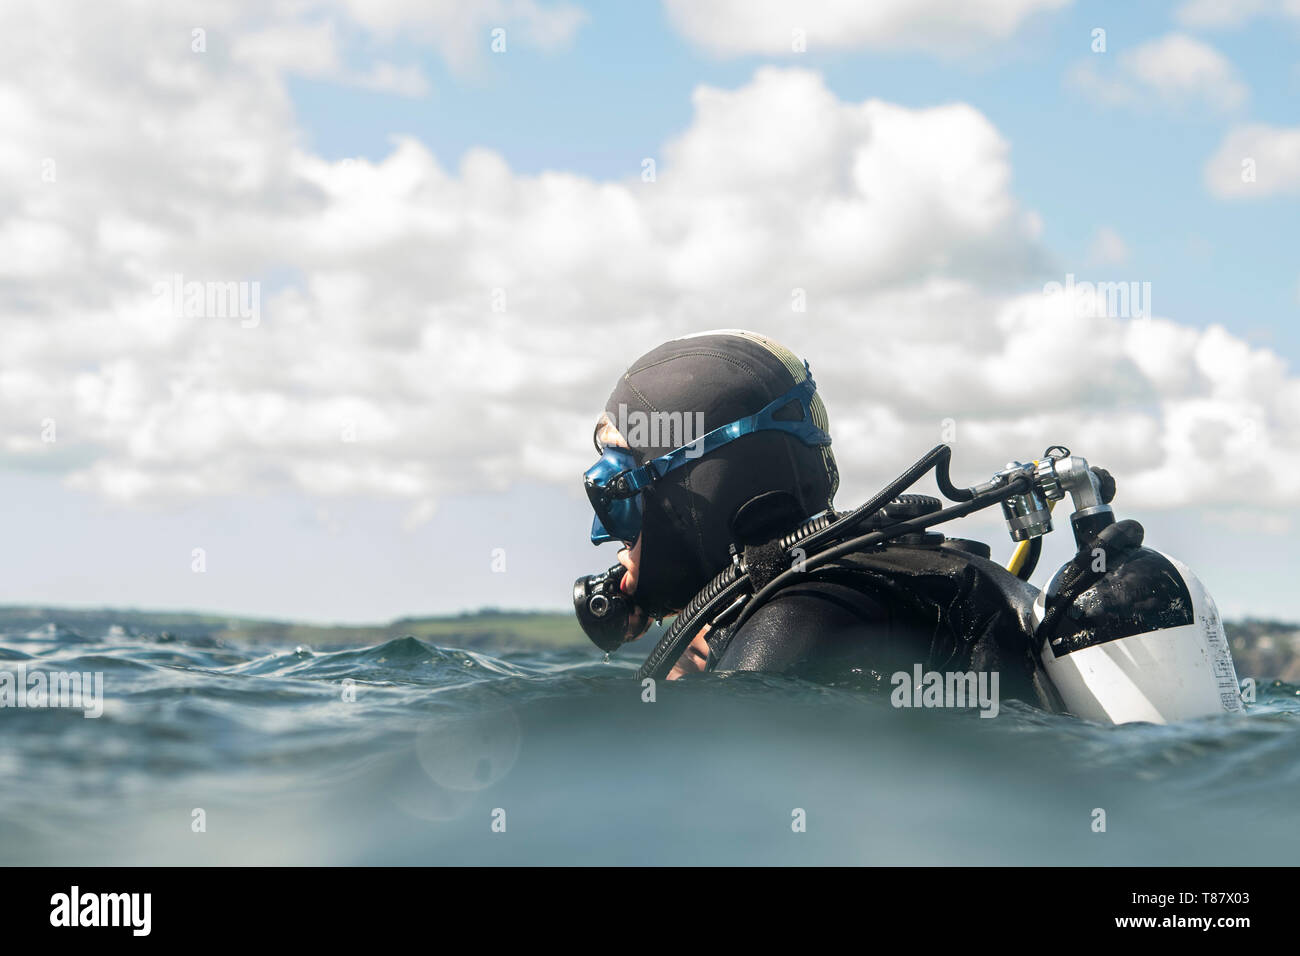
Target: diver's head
{"type": "Point", "coordinates": [706, 441]}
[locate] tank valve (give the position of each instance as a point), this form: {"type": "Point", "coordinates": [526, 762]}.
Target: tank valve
{"type": "Point", "coordinates": [1054, 476]}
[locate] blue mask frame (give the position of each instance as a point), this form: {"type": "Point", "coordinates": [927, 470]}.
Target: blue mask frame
{"type": "Point", "coordinates": [616, 483]}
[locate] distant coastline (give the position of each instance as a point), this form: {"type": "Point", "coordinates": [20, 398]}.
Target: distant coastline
{"type": "Point", "coordinates": [1262, 648]}
{"type": "Point", "coordinates": [487, 628]}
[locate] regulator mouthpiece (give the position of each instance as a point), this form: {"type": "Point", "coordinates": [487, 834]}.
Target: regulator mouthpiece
{"type": "Point", "coordinates": [603, 610]}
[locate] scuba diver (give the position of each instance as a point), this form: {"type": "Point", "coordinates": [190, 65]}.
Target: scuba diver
{"type": "Point", "coordinates": [716, 476]}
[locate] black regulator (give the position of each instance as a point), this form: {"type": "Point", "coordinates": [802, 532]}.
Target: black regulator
{"type": "Point", "coordinates": [603, 610]}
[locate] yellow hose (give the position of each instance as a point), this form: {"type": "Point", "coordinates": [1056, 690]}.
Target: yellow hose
{"type": "Point", "coordinates": [1018, 557]}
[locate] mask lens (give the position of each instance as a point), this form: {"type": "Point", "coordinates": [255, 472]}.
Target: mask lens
{"type": "Point", "coordinates": [617, 519]}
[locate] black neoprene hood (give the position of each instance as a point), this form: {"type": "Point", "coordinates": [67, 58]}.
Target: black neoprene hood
{"type": "Point", "coordinates": [700, 383]}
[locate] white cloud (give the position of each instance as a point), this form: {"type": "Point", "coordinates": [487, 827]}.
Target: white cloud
{"type": "Point", "coordinates": [314, 50]}
{"type": "Point", "coordinates": [460, 30]}
{"type": "Point", "coordinates": [1108, 248]}
{"type": "Point", "coordinates": [1233, 13]}
{"type": "Point", "coordinates": [737, 27]}
{"type": "Point", "coordinates": [382, 283]}
{"type": "Point", "coordinates": [1256, 161]}
{"type": "Point", "coordinates": [1175, 70]}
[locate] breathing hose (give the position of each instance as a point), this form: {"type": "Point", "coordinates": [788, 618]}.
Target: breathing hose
{"type": "Point", "coordinates": [730, 587]}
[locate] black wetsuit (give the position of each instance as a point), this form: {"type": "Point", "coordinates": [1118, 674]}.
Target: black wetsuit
{"type": "Point", "coordinates": [866, 616]}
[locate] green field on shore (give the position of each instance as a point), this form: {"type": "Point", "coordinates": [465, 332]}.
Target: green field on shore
{"type": "Point", "coordinates": [487, 628]}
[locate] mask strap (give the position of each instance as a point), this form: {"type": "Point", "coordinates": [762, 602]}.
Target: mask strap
{"type": "Point", "coordinates": [804, 429]}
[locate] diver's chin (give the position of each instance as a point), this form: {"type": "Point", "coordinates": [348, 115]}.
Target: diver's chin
{"type": "Point", "coordinates": [638, 624]}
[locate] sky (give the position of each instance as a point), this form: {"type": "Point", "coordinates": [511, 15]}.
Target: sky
{"type": "Point", "coordinates": [307, 308]}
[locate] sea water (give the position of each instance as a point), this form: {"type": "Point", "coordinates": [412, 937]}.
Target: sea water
{"type": "Point", "coordinates": [406, 753]}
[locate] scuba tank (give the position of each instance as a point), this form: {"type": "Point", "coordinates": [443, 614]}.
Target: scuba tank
{"type": "Point", "coordinates": [1124, 632]}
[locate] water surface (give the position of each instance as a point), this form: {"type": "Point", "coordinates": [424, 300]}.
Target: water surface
{"type": "Point", "coordinates": [559, 748]}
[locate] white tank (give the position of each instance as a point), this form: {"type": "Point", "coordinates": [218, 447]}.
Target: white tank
{"type": "Point", "coordinates": [1144, 644]}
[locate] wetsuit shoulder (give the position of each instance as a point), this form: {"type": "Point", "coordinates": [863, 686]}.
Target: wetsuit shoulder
{"type": "Point", "coordinates": [884, 611]}
{"type": "Point", "coordinates": [820, 628]}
